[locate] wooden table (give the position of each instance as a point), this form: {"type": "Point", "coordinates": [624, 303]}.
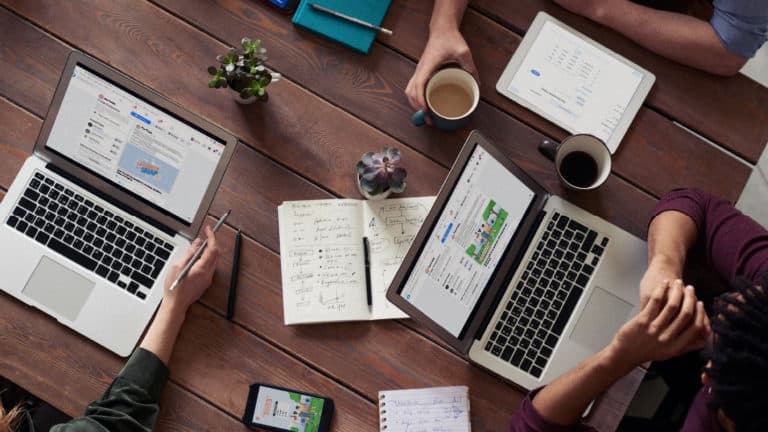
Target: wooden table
{"type": "Point", "coordinates": [333, 105]}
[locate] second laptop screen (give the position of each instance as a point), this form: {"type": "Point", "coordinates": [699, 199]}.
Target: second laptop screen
{"type": "Point", "coordinates": [468, 241]}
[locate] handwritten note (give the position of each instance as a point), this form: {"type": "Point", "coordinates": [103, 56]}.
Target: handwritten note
{"type": "Point", "coordinates": [322, 261]}
{"type": "Point", "coordinates": [437, 409]}
{"type": "Point", "coordinates": [391, 226]}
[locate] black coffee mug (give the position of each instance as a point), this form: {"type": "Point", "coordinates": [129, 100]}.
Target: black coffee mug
{"type": "Point", "coordinates": [583, 161]}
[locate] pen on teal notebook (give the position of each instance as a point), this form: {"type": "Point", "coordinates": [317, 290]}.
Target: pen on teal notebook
{"type": "Point", "coordinates": [366, 254]}
{"type": "Point", "coordinates": [351, 19]}
{"type": "Point", "coordinates": [233, 278]}
{"type": "Point", "coordinates": [198, 252]}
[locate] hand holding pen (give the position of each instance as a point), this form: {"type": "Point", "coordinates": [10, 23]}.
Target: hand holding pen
{"type": "Point", "coordinates": [193, 282]}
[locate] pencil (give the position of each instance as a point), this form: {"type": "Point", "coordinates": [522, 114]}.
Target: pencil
{"type": "Point", "coordinates": [351, 19]}
{"type": "Point", "coordinates": [198, 252]}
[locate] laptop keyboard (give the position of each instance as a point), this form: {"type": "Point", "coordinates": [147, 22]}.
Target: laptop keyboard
{"type": "Point", "coordinates": [91, 236]}
{"type": "Point", "coordinates": [546, 294]}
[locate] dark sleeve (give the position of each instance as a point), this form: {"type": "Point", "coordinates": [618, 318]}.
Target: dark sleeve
{"type": "Point", "coordinates": [735, 245]}
{"type": "Point", "coordinates": [131, 403]}
{"type": "Point", "coordinates": [527, 419]}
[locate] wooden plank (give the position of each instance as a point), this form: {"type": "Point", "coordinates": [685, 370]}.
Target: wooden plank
{"type": "Point", "coordinates": [655, 153]}
{"type": "Point", "coordinates": [17, 140]}
{"type": "Point", "coordinates": [730, 111]}
{"type": "Point", "coordinates": [148, 44]}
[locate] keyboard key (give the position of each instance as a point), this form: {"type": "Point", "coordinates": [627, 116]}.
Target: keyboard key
{"type": "Point", "coordinates": [501, 341]}
{"type": "Point", "coordinates": [102, 270]}
{"type": "Point", "coordinates": [113, 276]}
{"type": "Point", "coordinates": [122, 284]}
{"type": "Point", "coordinates": [12, 221]}
{"type": "Point", "coordinates": [126, 271]}
{"type": "Point", "coordinates": [562, 222]}
{"type": "Point", "coordinates": [582, 280]}
{"type": "Point", "coordinates": [517, 357]}
{"type": "Point", "coordinates": [595, 261]}
{"type": "Point", "coordinates": [496, 350]}
{"type": "Point", "coordinates": [568, 234]}
{"type": "Point", "coordinates": [27, 204]}
{"type": "Point", "coordinates": [74, 255]}
{"type": "Point", "coordinates": [488, 346]}
{"type": "Point", "coordinates": [507, 353]}
{"type": "Point", "coordinates": [546, 351]}
{"type": "Point", "coordinates": [597, 250]}
{"type": "Point", "coordinates": [551, 341]}
{"type": "Point", "coordinates": [577, 226]}
{"type": "Point", "coordinates": [42, 237]}
{"type": "Point", "coordinates": [162, 253]}
{"type": "Point", "coordinates": [541, 361]}
{"type": "Point", "coordinates": [589, 241]}
{"type": "Point", "coordinates": [567, 310]}
{"type": "Point", "coordinates": [32, 231]}
{"type": "Point", "coordinates": [130, 235]}
{"type": "Point", "coordinates": [527, 363]}
{"type": "Point", "coordinates": [604, 242]}
{"type": "Point", "coordinates": [121, 230]}
{"type": "Point", "coordinates": [588, 269]}
{"type": "Point", "coordinates": [132, 287]}
{"type": "Point", "coordinates": [535, 371]}
{"type": "Point", "coordinates": [31, 194]}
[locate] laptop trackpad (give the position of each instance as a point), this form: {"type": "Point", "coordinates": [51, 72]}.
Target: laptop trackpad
{"type": "Point", "coordinates": [58, 288]}
{"type": "Point", "coordinates": [601, 318]}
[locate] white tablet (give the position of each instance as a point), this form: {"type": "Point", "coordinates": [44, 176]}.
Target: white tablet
{"type": "Point", "coordinates": [574, 82]}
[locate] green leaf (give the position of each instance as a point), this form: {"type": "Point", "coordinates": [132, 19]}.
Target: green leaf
{"type": "Point", "coordinates": [213, 83]}
{"type": "Point", "coordinates": [212, 70]}
{"type": "Point", "coordinates": [398, 188]}
{"type": "Point", "coordinates": [260, 91]}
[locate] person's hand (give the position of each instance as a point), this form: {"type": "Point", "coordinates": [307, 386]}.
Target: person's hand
{"type": "Point", "coordinates": [592, 9]}
{"type": "Point", "coordinates": [443, 47]}
{"type": "Point", "coordinates": [659, 270]}
{"type": "Point", "coordinates": [199, 277]}
{"type": "Point", "coordinates": [671, 323]}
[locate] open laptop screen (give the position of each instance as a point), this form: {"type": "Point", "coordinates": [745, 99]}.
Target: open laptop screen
{"type": "Point", "coordinates": [467, 242]}
{"type": "Point", "coordinates": [134, 144]}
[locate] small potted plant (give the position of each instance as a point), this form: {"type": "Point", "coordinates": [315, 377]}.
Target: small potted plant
{"type": "Point", "coordinates": [380, 174]}
{"type": "Point", "coordinates": [243, 71]}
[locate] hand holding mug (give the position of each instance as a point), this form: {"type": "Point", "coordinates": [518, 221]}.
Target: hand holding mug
{"type": "Point", "coordinates": [451, 95]}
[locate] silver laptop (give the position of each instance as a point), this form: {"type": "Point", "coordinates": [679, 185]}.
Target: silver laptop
{"type": "Point", "coordinates": [119, 183]}
{"type": "Point", "coordinates": [521, 282]}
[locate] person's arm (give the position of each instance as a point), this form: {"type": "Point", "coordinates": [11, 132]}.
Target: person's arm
{"type": "Point", "coordinates": [671, 323]}
{"type": "Point", "coordinates": [132, 401]}
{"type": "Point", "coordinates": [679, 37]}
{"type": "Point", "coordinates": [445, 45]}
{"type": "Point", "coordinates": [735, 245]}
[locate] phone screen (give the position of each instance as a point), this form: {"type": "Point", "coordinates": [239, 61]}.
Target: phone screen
{"type": "Point", "coordinates": [288, 410]}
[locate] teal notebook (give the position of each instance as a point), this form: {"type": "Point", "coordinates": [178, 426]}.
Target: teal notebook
{"type": "Point", "coordinates": [348, 33]}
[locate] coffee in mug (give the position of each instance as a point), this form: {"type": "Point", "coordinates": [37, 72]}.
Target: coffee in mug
{"type": "Point", "coordinates": [452, 95]}
{"type": "Point", "coordinates": [583, 161]}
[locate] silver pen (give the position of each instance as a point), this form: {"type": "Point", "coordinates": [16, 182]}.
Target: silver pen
{"type": "Point", "coordinates": [352, 19]}
{"type": "Point", "coordinates": [198, 252]}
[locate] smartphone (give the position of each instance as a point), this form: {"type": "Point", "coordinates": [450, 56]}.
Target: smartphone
{"type": "Point", "coordinates": [282, 410]}
{"type": "Point", "coordinates": [286, 6]}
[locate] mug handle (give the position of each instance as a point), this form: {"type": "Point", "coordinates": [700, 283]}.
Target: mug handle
{"type": "Point", "coordinates": [549, 149]}
{"type": "Point", "coordinates": [418, 118]}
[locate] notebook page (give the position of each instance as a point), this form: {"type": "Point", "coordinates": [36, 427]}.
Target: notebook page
{"type": "Point", "coordinates": [391, 225]}
{"type": "Point", "coordinates": [437, 409]}
{"type": "Point", "coordinates": [321, 258]}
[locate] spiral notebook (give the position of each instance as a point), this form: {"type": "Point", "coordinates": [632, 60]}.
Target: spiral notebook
{"type": "Point", "coordinates": [435, 409]}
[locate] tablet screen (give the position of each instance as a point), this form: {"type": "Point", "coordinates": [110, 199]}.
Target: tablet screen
{"type": "Point", "coordinates": [574, 83]}
{"type": "Point", "coordinates": [465, 246]}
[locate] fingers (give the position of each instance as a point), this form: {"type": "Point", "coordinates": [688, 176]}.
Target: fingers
{"type": "Point", "coordinates": [210, 256]}
{"type": "Point", "coordinates": [658, 297]}
{"type": "Point", "coordinates": [416, 86]}
{"type": "Point", "coordinates": [468, 64]}
{"type": "Point", "coordinates": [696, 334]}
{"type": "Point", "coordinates": [181, 262]}
{"type": "Point", "coordinates": [684, 318]}
{"type": "Point", "coordinates": [671, 308]}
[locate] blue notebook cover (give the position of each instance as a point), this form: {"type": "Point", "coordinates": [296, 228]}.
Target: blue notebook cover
{"type": "Point", "coordinates": [350, 34]}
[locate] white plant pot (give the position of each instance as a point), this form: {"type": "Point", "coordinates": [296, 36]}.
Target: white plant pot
{"type": "Point", "coordinates": [242, 101]}
{"type": "Point", "coordinates": [376, 197]}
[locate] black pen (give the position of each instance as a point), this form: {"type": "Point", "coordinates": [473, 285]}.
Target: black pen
{"type": "Point", "coordinates": [233, 278]}
{"type": "Point", "coordinates": [368, 293]}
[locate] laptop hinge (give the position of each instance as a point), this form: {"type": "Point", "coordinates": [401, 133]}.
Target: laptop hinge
{"type": "Point", "coordinates": [109, 199]}
{"type": "Point", "coordinates": [494, 305]}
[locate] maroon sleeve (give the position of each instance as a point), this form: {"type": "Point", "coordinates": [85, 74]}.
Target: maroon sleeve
{"type": "Point", "coordinates": [527, 419]}
{"type": "Point", "coordinates": [734, 243]}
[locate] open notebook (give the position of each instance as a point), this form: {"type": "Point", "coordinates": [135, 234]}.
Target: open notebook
{"type": "Point", "coordinates": [322, 256]}
{"type": "Point", "coordinates": [436, 409]}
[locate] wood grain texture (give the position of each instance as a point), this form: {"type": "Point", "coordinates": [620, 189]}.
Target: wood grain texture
{"type": "Point", "coordinates": [685, 159]}
{"type": "Point", "coordinates": [19, 131]}
{"type": "Point", "coordinates": [694, 98]}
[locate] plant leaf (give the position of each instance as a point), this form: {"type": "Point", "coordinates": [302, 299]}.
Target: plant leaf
{"type": "Point", "coordinates": [398, 188]}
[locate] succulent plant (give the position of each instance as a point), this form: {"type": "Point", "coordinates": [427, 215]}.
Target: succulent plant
{"type": "Point", "coordinates": [243, 71]}
{"type": "Point", "coordinates": [380, 172]}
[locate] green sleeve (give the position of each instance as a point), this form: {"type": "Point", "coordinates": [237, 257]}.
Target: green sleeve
{"type": "Point", "coordinates": [132, 401]}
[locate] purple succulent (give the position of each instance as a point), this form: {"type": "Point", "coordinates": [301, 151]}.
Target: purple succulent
{"type": "Point", "coordinates": [379, 172]}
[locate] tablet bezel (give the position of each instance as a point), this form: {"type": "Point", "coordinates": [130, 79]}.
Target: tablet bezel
{"type": "Point", "coordinates": [520, 54]}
